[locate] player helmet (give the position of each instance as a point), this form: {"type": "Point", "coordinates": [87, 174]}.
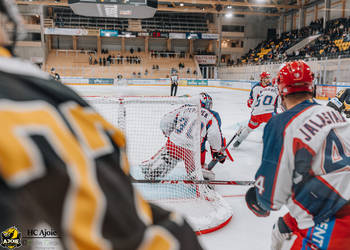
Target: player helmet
{"type": "Point", "coordinates": [264, 78]}
{"type": "Point", "coordinates": [206, 100]}
{"type": "Point", "coordinates": [295, 77]}
{"type": "Point", "coordinates": [264, 75]}
{"type": "Point", "coordinates": [10, 10]}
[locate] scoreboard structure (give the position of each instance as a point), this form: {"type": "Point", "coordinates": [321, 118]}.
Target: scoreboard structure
{"type": "Point", "coordinates": [114, 8]}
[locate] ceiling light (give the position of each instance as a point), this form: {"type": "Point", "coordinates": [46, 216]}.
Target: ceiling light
{"type": "Point", "coordinates": [228, 15]}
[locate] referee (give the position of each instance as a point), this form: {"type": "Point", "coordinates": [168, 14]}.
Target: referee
{"type": "Point", "coordinates": [174, 83]}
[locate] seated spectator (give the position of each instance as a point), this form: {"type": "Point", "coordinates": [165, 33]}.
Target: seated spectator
{"type": "Point", "coordinates": [131, 50]}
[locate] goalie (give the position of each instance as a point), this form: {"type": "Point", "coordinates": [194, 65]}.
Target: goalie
{"type": "Point", "coordinates": [179, 126]}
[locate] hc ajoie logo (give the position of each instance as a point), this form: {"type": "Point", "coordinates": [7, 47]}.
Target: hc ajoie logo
{"type": "Point", "coordinates": [11, 238]}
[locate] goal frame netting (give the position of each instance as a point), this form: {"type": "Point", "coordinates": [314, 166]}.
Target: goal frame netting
{"type": "Point", "coordinates": [139, 118]}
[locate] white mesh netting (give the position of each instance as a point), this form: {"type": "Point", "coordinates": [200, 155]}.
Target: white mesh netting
{"type": "Point", "coordinates": [163, 143]}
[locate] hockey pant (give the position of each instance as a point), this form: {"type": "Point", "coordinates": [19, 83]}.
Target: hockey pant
{"type": "Point", "coordinates": [254, 122]}
{"type": "Point", "coordinates": [332, 234]}
{"type": "Point", "coordinates": [166, 159]}
{"type": "Point", "coordinates": [173, 89]}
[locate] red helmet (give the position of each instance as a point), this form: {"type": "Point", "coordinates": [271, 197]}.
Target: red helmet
{"type": "Point", "coordinates": [264, 75]}
{"type": "Point", "coordinates": [295, 77]}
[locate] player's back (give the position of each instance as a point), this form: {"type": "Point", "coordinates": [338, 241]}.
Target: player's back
{"type": "Point", "coordinates": [63, 164]}
{"type": "Point", "coordinates": [316, 140]}
{"type": "Point", "coordinates": [182, 120]}
{"type": "Point", "coordinates": [265, 101]}
{"type": "Point", "coordinates": [41, 157]}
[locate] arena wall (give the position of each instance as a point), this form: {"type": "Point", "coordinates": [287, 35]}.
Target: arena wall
{"type": "Point", "coordinates": [322, 91]}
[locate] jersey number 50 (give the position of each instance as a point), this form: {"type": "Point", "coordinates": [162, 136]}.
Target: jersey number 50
{"type": "Point", "coordinates": [267, 100]}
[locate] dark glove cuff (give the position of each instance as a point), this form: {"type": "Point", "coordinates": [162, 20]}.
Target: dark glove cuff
{"type": "Point", "coordinates": [254, 205]}
{"type": "Point", "coordinates": [282, 226]}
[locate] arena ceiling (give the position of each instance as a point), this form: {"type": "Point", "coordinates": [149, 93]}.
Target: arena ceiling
{"type": "Point", "coordinates": [238, 7]}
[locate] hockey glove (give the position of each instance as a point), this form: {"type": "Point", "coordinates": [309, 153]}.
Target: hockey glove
{"type": "Point", "coordinates": [347, 109]}
{"type": "Point", "coordinates": [253, 203]}
{"type": "Point", "coordinates": [336, 104]}
{"type": "Point", "coordinates": [221, 157]}
{"type": "Point", "coordinates": [280, 233]}
{"type": "Point", "coordinates": [347, 113]}
{"type": "Point", "coordinates": [249, 103]}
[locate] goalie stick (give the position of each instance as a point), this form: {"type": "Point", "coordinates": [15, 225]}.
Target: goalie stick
{"type": "Point", "coordinates": [194, 182]}
{"type": "Point", "coordinates": [215, 161]}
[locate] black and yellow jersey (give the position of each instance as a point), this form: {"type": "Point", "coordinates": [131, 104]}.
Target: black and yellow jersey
{"type": "Point", "coordinates": [61, 163]}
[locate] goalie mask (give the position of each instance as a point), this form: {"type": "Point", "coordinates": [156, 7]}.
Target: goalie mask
{"type": "Point", "coordinates": [206, 100]}
{"type": "Point", "coordinates": [9, 10]}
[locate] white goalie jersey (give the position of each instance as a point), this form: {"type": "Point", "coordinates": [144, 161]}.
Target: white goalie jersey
{"type": "Point", "coordinates": [265, 100]}
{"type": "Point", "coordinates": [178, 126]}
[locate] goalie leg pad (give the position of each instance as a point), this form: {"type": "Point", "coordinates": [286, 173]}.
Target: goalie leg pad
{"type": "Point", "coordinates": [159, 165]}
{"type": "Point", "coordinates": [209, 176]}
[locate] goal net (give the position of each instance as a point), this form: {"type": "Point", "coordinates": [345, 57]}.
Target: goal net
{"type": "Point", "coordinates": [163, 143]}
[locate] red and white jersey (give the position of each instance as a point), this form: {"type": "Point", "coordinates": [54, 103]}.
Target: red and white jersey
{"type": "Point", "coordinates": [211, 129]}
{"type": "Point", "coordinates": [180, 125]}
{"type": "Point", "coordinates": [264, 99]}
{"type": "Point", "coordinates": [305, 163]}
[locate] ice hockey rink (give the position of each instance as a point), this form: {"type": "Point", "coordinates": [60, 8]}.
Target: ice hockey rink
{"type": "Point", "coordinates": [245, 231]}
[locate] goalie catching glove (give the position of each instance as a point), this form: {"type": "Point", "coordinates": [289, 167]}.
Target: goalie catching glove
{"type": "Point", "coordinates": [253, 203]}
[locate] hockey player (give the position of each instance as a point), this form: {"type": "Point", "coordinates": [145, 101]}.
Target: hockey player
{"type": "Point", "coordinates": [177, 126]}
{"type": "Point", "coordinates": [63, 164]}
{"type": "Point", "coordinates": [174, 78]}
{"type": "Point", "coordinates": [262, 100]}
{"type": "Point", "coordinates": [341, 102]}
{"type": "Point", "coordinates": [305, 166]}
{"type": "Point", "coordinates": [210, 132]}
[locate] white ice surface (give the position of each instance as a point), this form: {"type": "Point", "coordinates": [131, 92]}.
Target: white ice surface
{"type": "Point", "coordinates": [245, 231]}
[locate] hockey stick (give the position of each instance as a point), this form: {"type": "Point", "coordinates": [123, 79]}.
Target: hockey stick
{"type": "Point", "coordinates": [215, 161]}
{"type": "Point", "coordinates": [205, 182]}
